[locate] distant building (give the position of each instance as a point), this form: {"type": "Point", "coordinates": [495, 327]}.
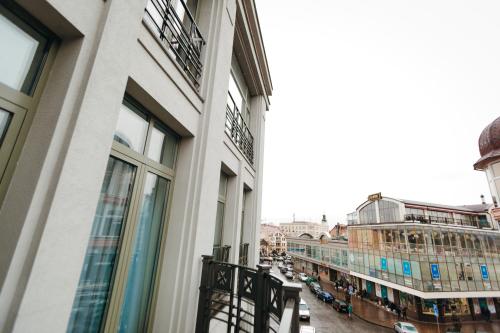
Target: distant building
{"type": "Point", "coordinates": [297, 228]}
{"type": "Point", "coordinates": [272, 240]}
{"type": "Point", "coordinates": [420, 255]}
{"type": "Point", "coordinates": [339, 230]}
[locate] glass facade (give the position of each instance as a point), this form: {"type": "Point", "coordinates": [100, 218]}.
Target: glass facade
{"type": "Point", "coordinates": [326, 253]}
{"type": "Point", "coordinates": [427, 258]}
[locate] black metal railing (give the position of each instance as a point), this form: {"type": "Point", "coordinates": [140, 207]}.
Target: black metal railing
{"type": "Point", "coordinates": [235, 298]}
{"type": "Point", "coordinates": [180, 35]}
{"type": "Point", "coordinates": [239, 132]}
{"type": "Point", "coordinates": [443, 220]}
{"type": "Point", "coordinates": [243, 260]}
{"type": "Point", "coordinates": [221, 253]}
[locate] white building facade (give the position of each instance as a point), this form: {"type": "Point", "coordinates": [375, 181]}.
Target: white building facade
{"type": "Point", "coordinates": [131, 144]}
{"type": "Point", "coordinates": [295, 229]}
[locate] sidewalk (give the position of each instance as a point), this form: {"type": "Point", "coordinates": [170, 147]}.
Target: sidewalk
{"type": "Point", "coordinates": [376, 315]}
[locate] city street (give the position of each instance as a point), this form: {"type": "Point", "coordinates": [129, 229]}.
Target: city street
{"type": "Point", "coordinates": [326, 320]}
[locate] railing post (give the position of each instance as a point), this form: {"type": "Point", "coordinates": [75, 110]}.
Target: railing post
{"type": "Point", "coordinates": [261, 303]}
{"type": "Point", "coordinates": [292, 291]}
{"type": "Point", "coordinates": [202, 317]}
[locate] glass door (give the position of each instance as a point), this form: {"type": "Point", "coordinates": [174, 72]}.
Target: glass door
{"type": "Point", "coordinates": [144, 255]}
{"type": "Point", "coordinates": [96, 278]}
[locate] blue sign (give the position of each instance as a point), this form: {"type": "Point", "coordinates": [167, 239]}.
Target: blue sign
{"type": "Point", "coordinates": [383, 264]}
{"type": "Point", "coordinates": [436, 311]}
{"type": "Point", "coordinates": [435, 272]}
{"type": "Point", "coordinates": [484, 272]}
{"type": "Point", "coordinates": [406, 268]}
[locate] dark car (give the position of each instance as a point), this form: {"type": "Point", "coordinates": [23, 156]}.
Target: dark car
{"type": "Point", "coordinates": [310, 280]}
{"type": "Point", "coordinates": [325, 296]}
{"type": "Point", "coordinates": [315, 288]}
{"type": "Point", "coordinates": [283, 269]}
{"type": "Point", "coordinates": [339, 305]}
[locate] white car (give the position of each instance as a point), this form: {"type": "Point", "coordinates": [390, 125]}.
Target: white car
{"type": "Point", "coordinates": [307, 329]}
{"type": "Point", "coordinates": [304, 313]}
{"type": "Point", "coordinates": [289, 275]}
{"type": "Point", "coordinates": [302, 277]}
{"type": "Point", "coordinates": [402, 327]}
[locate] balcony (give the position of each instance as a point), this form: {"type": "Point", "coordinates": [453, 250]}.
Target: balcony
{"type": "Point", "coordinates": [235, 298]}
{"type": "Point", "coordinates": [442, 220]}
{"type": "Point", "coordinates": [180, 35]}
{"type": "Point", "coordinates": [239, 132]}
{"type": "Point", "coordinates": [221, 253]}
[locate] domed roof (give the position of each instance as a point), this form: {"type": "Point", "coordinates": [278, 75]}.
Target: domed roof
{"type": "Point", "coordinates": [489, 144]}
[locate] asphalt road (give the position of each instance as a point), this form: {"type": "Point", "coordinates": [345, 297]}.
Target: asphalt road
{"type": "Point", "coordinates": [326, 320]}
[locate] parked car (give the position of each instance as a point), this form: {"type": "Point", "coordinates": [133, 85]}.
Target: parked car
{"type": "Point", "coordinates": [302, 277]}
{"type": "Point", "coordinates": [289, 275]}
{"type": "Point", "coordinates": [339, 305]}
{"type": "Point", "coordinates": [403, 327]}
{"type": "Point", "coordinates": [304, 313]}
{"type": "Point", "coordinates": [310, 280]}
{"type": "Point", "coordinates": [283, 269]}
{"type": "Point", "coordinates": [325, 296]}
{"type": "Point", "coordinates": [315, 288]}
{"type": "Point", "coordinates": [307, 329]}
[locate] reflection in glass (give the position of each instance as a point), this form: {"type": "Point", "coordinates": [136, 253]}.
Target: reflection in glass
{"type": "Point", "coordinates": [5, 119]}
{"type": "Point", "coordinates": [162, 147]}
{"type": "Point", "coordinates": [145, 254]}
{"type": "Point", "coordinates": [22, 52]}
{"type": "Point", "coordinates": [94, 287]}
{"type": "Point", "coordinates": [132, 128]}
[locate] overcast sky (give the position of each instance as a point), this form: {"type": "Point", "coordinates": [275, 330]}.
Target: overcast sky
{"type": "Point", "coordinates": [376, 96]}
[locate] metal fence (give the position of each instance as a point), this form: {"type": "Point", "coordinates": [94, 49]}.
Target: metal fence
{"type": "Point", "coordinates": [240, 299]}
{"type": "Point", "coordinates": [239, 132]}
{"type": "Point", "coordinates": [177, 30]}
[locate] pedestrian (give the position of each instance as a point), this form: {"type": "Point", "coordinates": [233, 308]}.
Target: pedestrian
{"type": "Point", "coordinates": [403, 312]}
{"type": "Point", "coordinates": [349, 310]}
{"type": "Point", "coordinates": [488, 315]}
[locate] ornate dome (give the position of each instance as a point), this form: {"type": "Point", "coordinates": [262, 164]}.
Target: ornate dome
{"type": "Point", "coordinates": [489, 144]}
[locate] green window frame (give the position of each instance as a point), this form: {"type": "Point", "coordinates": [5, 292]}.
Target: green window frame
{"type": "Point", "coordinates": [20, 102]}
{"type": "Point", "coordinates": [130, 293]}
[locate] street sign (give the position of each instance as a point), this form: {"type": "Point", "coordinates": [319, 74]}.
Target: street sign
{"type": "Point", "coordinates": [435, 272]}
{"type": "Point", "coordinates": [484, 272]}
{"type": "Point", "coordinates": [436, 311]}
{"type": "Point", "coordinates": [406, 268]}
{"type": "Point", "coordinates": [383, 264]}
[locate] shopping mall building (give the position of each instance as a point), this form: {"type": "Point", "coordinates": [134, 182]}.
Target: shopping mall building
{"type": "Point", "coordinates": [418, 254]}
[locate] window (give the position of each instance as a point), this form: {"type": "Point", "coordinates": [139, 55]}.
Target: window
{"type": "Point", "coordinates": [368, 214]}
{"type": "Point", "coordinates": [389, 211]}
{"type": "Point", "coordinates": [23, 52]}
{"type": "Point", "coordinates": [118, 277]}
{"type": "Point", "coordinates": [238, 112]}
{"type": "Point", "coordinates": [25, 46]}
{"type": "Point", "coordinates": [219, 218]}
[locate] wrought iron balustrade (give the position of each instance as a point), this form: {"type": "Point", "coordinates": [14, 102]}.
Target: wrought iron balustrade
{"type": "Point", "coordinates": [440, 219]}
{"type": "Point", "coordinates": [180, 35]}
{"type": "Point", "coordinates": [235, 298]}
{"type": "Point", "coordinates": [243, 261]}
{"type": "Point", "coordinates": [221, 253]}
{"type": "Point", "coordinates": [239, 132]}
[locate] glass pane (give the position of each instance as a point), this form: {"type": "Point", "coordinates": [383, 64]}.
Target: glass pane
{"type": "Point", "coordinates": [219, 221]}
{"type": "Point", "coordinates": [22, 52]}
{"type": "Point", "coordinates": [145, 253]}
{"type": "Point", "coordinates": [163, 147]}
{"type": "Point", "coordinates": [5, 119]}
{"type": "Point", "coordinates": [132, 128]}
{"type": "Point", "coordinates": [235, 99]}
{"type": "Point", "coordinates": [94, 287]}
